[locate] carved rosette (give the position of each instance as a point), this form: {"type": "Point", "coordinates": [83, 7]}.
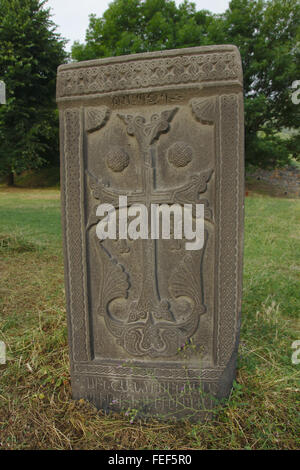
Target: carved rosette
{"type": "Point", "coordinates": [117, 159]}
{"type": "Point", "coordinates": [180, 154]}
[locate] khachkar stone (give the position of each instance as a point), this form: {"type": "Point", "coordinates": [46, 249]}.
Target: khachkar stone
{"type": "Point", "coordinates": [152, 326]}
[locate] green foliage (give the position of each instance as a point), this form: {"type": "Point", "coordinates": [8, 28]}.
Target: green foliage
{"type": "Point", "coordinates": [131, 26]}
{"type": "Point", "coordinates": [30, 52]}
{"type": "Point", "coordinates": [266, 32]}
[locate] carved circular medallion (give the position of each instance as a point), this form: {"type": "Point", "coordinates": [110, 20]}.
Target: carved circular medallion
{"type": "Point", "coordinates": [180, 154]}
{"type": "Point", "coordinates": [117, 159]}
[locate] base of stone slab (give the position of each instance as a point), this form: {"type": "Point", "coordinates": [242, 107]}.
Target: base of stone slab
{"type": "Point", "coordinates": [193, 401]}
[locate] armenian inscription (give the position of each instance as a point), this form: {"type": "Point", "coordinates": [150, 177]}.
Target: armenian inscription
{"type": "Point", "coordinates": [152, 325]}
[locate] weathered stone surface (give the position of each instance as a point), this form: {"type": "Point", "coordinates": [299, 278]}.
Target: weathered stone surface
{"type": "Point", "coordinates": [152, 326]}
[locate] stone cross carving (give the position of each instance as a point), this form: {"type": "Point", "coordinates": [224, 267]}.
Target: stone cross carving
{"type": "Point", "coordinates": [151, 325]}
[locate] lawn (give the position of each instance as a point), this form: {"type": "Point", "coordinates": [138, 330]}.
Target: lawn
{"type": "Point", "coordinates": [36, 409]}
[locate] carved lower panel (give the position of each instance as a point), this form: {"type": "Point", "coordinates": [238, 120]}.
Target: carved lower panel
{"type": "Point", "coordinates": [150, 327]}
{"type": "Point", "coordinates": [164, 399]}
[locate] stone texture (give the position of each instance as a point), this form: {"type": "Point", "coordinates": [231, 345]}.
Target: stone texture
{"type": "Point", "coordinates": [282, 182]}
{"type": "Point", "coordinates": [152, 326]}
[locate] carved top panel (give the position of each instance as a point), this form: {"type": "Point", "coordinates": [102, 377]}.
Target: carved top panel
{"type": "Point", "coordinates": [151, 70]}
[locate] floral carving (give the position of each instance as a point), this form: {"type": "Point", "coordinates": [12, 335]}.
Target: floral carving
{"type": "Point", "coordinates": [95, 118]}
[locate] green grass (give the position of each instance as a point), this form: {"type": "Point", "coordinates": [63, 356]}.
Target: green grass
{"type": "Point", "coordinates": [36, 409]}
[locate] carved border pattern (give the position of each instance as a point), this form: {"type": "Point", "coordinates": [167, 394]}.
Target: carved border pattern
{"type": "Point", "coordinates": [228, 227]}
{"type": "Point", "coordinates": [187, 69]}
{"type": "Point", "coordinates": [74, 237]}
{"type": "Point", "coordinates": [211, 374]}
{"type": "Point", "coordinates": [227, 132]}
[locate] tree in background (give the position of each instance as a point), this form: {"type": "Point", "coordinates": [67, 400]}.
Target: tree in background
{"type": "Point", "coordinates": [268, 35]}
{"type": "Point", "coordinates": [131, 26]}
{"type": "Point", "coordinates": [266, 32]}
{"type": "Point", "coordinates": [30, 52]}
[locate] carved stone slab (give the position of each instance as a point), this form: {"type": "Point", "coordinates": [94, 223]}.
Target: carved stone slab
{"type": "Point", "coordinates": [152, 326]}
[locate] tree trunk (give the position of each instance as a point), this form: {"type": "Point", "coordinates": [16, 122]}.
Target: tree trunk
{"type": "Point", "coordinates": [11, 179]}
